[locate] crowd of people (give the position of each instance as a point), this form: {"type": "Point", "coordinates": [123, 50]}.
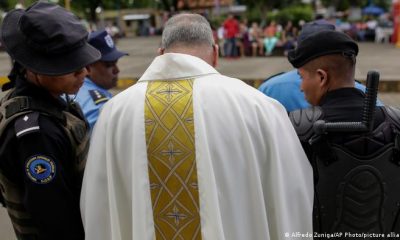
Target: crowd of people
{"type": "Point", "coordinates": [236, 38]}
{"type": "Point", "coordinates": [239, 38]}
{"type": "Point", "coordinates": [189, 153]}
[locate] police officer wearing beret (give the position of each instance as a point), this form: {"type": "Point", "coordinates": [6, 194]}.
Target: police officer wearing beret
{"type": "Point", "coordinates": [44, 138]}
{"type": "Point", "coordinates": [285, 86]}
{"type": "Point", "coordinates": [102, 76]}
{"type": "Point", "coordinates": [355, 174]}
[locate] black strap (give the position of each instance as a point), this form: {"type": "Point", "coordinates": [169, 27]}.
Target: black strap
{"type": "Point", "coordinates": [22, 104]}
{"type": "Point", "coordinates": [17, 104]}
{"type": "Point", "coordinates": [396, 149]}
{"type": "Point", "coordinates": [2, 201]}
{"type": "Point", "coordinates": [392, 115]}
{"type": "Point", "coordinates": [323, 149]}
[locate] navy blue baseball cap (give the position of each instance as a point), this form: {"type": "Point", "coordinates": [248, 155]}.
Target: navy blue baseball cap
{"type": "Point", "coordinates": [103, 42]}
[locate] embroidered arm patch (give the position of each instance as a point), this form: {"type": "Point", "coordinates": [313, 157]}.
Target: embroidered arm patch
{"type": "Point", "coordinates": [98, 97]}
{"type": "Point", "coordinates": [40, 169]}
{"type": "Point", "coordinates": [27, 123]}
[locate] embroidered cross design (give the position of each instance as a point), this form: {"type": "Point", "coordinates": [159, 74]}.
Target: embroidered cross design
{"type": "Point", "coordinates": [171, 152]}
{"type": "Point", "coordinates": [169, 91]}
{"type": "Point", "coordinates": [169, 124]}
{"type": "Point", "coordinates": [176, 215]}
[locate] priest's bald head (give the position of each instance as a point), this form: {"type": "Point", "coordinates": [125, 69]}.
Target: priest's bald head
{"type": "Point", "coordinates": [189, 34]}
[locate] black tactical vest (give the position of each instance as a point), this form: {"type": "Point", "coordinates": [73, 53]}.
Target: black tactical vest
{"type": "Point", "coordinates": [357, 176]}
{"type": "Point", "coordinates": [74, 126]}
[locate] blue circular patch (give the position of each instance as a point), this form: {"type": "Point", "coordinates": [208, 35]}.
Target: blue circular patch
{"type": "Point", "coordinates": [40, 169]}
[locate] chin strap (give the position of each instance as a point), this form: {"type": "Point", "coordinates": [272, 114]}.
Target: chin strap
{"type": "Point", "coordinates": [17, 71]}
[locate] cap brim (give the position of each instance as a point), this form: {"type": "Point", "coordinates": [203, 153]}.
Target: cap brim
{"type": "Point", "coordinates": [298, 61]}
{"type": "Point", "coordinates": [113, 56]}
{"type": "Point", "coordinates": [16, 46]}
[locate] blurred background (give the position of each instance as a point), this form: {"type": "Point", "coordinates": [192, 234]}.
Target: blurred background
{"type": "Point", "coordinates": [122, 18]}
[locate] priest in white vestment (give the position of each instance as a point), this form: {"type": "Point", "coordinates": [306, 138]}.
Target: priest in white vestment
{"type": "Point", "coordinates": [188, 153]}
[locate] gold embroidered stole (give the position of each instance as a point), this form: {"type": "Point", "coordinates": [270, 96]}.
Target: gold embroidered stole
{"type": "Point", "coordinates": [172, 160]}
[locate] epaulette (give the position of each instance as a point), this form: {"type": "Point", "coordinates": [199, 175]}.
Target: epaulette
{"type": "Point", "coordinates": [98, 97]}
{"type": "Point", "coordinates": [303, 121]}
{"type": "Point", "coordinates": [26, 124]}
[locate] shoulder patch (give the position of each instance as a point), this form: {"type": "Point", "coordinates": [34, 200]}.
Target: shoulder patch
{"type": "Point", "coordinates": [98, 97]}
{"type": "Point", "coordinates": [27, 123]}
{"type": "Point", "coordinates": [40, 169]}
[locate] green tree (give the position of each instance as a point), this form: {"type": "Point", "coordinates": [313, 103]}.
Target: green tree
{"type": "Point", "coordinates": [88, 7]}
{"type": "Point", "coordinates": [8, 5]}
{"type": "Point", "coordinates": [4, 4]}
{"type": "Point", "coordinates": [342, 5]}
{"type": "Point", "coordinates": [264, 6]}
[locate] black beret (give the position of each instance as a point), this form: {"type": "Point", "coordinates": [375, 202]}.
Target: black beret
{"type": "Point", "coordinates": [321, 43]}
{"type": "Point", "coordinates": [313, 27]}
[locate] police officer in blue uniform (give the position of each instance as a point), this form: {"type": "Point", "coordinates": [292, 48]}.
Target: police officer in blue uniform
{"type": "Point", "coordinates": [102, 76]}
{"type": "Point", "coordinates": [43, 138]}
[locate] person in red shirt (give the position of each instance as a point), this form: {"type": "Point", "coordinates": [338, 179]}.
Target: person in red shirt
{"type": "Point", "coordinates": [231, 27]}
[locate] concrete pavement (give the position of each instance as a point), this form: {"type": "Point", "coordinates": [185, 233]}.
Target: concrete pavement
{"type": "Point", "coordinates": [382, 57]}
{"type": "Point", "coordinates": [6, 232]}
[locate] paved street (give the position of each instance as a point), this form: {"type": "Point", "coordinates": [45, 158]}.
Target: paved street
{"type": "Point", "coordinates": [383, 57]}
{"type": "Point", "coordinates": [6, 232]}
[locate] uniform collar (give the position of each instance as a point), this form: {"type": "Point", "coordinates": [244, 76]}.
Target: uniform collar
{"type": "Point", "coordinates": [341, 94]}
{"type": "Point", "coordinates": [90, 83]}
{"type": "Point", "coordinates": [172, 66]}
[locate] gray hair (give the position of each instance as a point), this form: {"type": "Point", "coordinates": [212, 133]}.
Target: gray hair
{"type": "Point", "coordinates": [187, 29]}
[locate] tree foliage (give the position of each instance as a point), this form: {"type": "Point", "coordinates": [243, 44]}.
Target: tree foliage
{"type": "Point", "coordinates": [257, 8]}
{"type": "Point", "coordinates": [280, 10]}
{"type": "Point", "coordinates": [293, 13]}
{"type": "Point", "coordinates": [88, 7]}
{"type": "Point", "coordinates": [4, 4]}
{"type": "Point", "coordinates": [8, 5]}
{"type": "Point", "coordinates": [342, 5]}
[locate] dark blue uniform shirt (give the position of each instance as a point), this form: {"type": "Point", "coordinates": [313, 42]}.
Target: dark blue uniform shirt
{"type": "Point", "coordinates": [40, 162]}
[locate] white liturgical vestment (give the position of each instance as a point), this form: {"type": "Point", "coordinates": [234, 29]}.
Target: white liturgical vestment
{"type": "Point", "coordinates": [254, 181]}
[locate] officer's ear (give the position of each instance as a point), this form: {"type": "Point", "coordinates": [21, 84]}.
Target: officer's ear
{"type": "Point", "coordinates": [215, 55]}
{"type": "Point", "coordinates": [323, 77]}
{"type": "Point", "coordinates": [89, 69]}
{"type": "Point", "coordinates": [161, 51]}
